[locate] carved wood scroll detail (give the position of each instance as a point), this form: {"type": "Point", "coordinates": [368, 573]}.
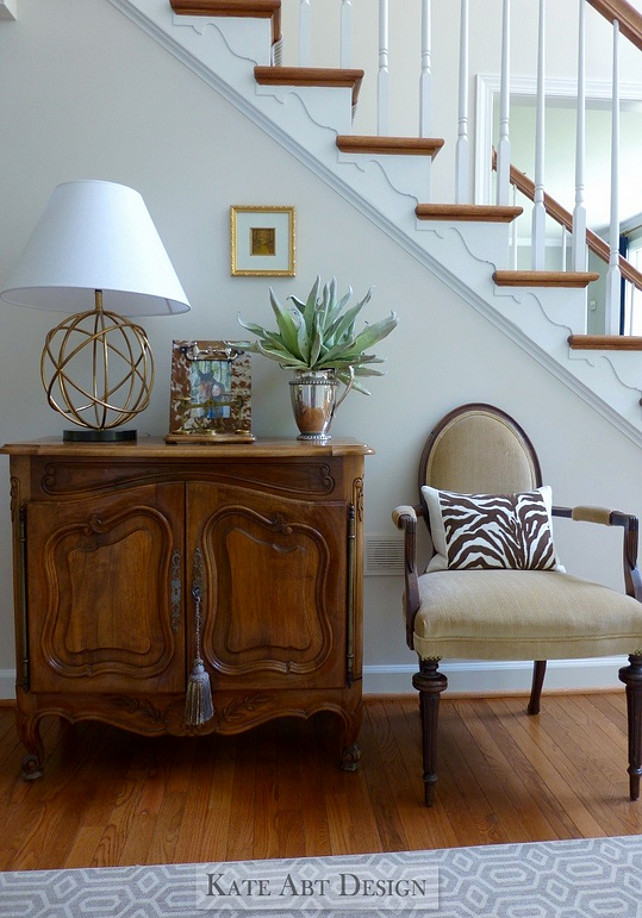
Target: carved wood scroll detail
{"type": "Point", "coordinates": [60, 478]}
{"type": "Point", "coordinates": [358, 497]}
{"type": "Point", "coordinates": [14, 496]}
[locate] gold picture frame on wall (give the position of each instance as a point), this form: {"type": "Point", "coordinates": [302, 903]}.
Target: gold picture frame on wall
{"type": "Point", "coordinates": [262, 241]}
{"type": "Point", "coordinates": [210, 393]}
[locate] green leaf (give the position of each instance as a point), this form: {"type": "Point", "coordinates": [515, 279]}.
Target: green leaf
{"type": "Point", "coordinates": [343, 327]}
{"type": "Point", "coordinates": [316, 341]}
{"type": "Point", "coordinates": [310, 308]}
{"type": "Point", "coordinates": [320, 333]}
{"type": "Point", "coordinates": [374, 333]}
{"type": "Point", "coordinates": [251, 327]}
{"type": "Point", "coordinates": [287, 325]}
{"type": "Point", "coordinates": [303, 342]}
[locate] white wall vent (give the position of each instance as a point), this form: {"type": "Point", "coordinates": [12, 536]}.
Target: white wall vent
{"type": "Point", "coordinates": [384, 555]}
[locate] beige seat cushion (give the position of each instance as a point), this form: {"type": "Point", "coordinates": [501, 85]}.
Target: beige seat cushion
{"type": "Point", "coordinates": [523, 615]}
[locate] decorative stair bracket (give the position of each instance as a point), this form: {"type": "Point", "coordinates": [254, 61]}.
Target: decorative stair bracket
{"type": "Point", "coordinates": [463, 252]}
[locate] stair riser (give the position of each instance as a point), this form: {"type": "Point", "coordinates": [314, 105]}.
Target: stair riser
{"type": "Point", "coordinates": [327, 107]}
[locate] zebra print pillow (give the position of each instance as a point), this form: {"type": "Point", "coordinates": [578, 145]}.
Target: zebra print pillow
{"type": "Point", "coordinates": [483, 531]}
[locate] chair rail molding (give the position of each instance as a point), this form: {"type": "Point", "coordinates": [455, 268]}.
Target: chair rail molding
{"type": "Point", "coordinates": [9, 10]}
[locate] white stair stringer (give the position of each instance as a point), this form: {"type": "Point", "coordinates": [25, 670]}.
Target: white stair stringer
{"type": "Point", "coordinates": [462, 255]}
{"type": "Point", "coordinates": [534, 318]}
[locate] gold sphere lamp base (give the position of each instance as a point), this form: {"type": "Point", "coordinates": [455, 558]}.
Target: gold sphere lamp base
{"type": "Point", "coordinates": [98, 371]}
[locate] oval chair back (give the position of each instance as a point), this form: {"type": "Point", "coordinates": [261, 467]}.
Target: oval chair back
{"type": "Point", "coordinates": [479, 449]}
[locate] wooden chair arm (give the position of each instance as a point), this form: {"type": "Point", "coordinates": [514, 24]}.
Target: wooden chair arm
{"type": "Point", "coordinates": [632, 577]}
{"type": "Point", "coordinates": [405, 518]}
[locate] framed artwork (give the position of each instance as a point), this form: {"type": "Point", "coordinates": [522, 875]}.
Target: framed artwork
{"type": "Point", "coordinates": [210, 393]}
{"type": "Point", "coordinates": [262, 241]}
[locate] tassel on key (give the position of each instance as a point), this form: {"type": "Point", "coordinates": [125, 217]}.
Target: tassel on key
{"type": "Point", "coordinates": [199, 707]}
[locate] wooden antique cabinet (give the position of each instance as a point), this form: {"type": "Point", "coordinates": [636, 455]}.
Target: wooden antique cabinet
{"type": "Point", "coordinates": [109, 541]}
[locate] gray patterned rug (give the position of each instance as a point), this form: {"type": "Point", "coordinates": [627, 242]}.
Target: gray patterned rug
{"type": "Point", "coordinates": [583, 878]}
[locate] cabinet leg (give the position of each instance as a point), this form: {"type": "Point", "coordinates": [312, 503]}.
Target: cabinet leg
{"type": "Point", "coordinates": [29, 732]}
{"type": "Point", "coordinates": [350, 751]}
{"type": "Point", "coordinates": [351, 757]}
{"type": "Point", "coordinates": [31, 767]}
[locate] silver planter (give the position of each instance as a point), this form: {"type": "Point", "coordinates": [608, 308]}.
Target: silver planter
{"type": "Point", "coordinates": [315, 402]}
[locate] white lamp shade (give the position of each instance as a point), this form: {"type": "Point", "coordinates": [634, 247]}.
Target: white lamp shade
{"type": "Point", "coordinates": [96, 235]}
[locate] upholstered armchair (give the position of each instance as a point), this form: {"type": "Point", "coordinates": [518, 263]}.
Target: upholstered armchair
{"type": "Point", "coordinates": [494, 588]}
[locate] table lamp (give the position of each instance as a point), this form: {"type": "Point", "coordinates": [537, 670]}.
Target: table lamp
{"type": "Point", "coordinates": [96, 242]}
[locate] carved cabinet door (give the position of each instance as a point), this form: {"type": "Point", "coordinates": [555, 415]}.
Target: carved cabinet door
{"type": "Point", "coordinates": [105, 605]}
{"type": "Point", "coordinates": [275, 586]}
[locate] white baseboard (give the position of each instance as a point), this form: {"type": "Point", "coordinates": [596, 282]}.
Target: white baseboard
{"type": "Point", "coordinates": [481, 677]}
{"type": "Point", "coordinates": [7, 684]}
{"type": "Point", "coordinates": [477, 677]}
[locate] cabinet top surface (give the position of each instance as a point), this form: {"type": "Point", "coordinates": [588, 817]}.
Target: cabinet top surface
{"type": "Point", "coordinates": [156, 448]}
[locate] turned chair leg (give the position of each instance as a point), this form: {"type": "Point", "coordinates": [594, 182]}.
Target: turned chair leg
{"type": "Point", "coordinates": [631, 676]}
{"type": "Point", "coordinates": [539, 671]}
{"type": "Point", "coordinates": [430, 683]}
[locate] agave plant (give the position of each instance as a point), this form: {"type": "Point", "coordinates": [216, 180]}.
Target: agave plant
{"type": "Point", "coordinates": [320, 334]}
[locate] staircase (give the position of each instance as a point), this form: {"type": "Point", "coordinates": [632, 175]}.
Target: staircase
{"type": "Point", "coordinates": [236, 47]}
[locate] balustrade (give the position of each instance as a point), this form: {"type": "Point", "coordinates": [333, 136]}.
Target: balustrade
{"type": "Point", "coordinates": [405, 46]}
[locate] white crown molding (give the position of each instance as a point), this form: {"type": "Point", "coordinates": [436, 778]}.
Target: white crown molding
{"type": "Point", "coordinates": [9, 9]}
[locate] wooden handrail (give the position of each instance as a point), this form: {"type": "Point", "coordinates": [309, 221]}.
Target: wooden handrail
{"type": "Point", "coordinates": [554, 209]}
{"type": "Point", "coordinates": [629, 18]}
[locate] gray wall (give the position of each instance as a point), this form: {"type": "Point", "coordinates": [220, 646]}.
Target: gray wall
{"type": "Point", "coordinates": [85, 94]}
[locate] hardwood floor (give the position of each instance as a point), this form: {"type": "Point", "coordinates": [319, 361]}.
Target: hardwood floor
{"type": "Point", "coordinates": [111, 798]}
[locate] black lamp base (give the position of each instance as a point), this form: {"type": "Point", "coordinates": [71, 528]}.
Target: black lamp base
{"type": "Point", "coordinates": [99, 436]}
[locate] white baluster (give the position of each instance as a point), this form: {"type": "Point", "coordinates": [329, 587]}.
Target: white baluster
{"type": "Point", "coordinates": [538, 251]}
{"type": "Point", "coordinates": [305, 34]}
{"type": "Point", "coordinates": [612, 312]}
{"type": "Point", "coordinates": [636, 297]}
{"type": "Point", "coordinates": [579, 211]}
{"type": "Point", "coordinates": [462, 178]}
{"type": "Point", "coordinates": [425, 81]}
{"type": "Point", "coordinates": [629, 300]}
{"type": "Point", "coordinates": [513, 232]}
{"type": "Point", "coordinates": [346, 33]}
{"type": "Point", "coordinates": [383, 81]}
{"type": "Point", "coordinates": [503, 147]}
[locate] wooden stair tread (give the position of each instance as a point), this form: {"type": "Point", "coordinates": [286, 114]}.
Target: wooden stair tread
{"type": "Point", "coordinates": [605, 342]}
{"type": "Point", "coordinates": [485, 213]}
{"type": "Point", "coordinates": [408, 146]}
{"type": "Point", "coordinates": [242, 9]}
{"type": "Point", "coordinates": [311, 76]}
{"type": "Point", "coordinates": [544, 278]}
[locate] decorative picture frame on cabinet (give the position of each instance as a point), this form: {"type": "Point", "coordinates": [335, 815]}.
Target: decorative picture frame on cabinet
{"type": "Point", "coordinates": [210, 393]}
{"type": "Point", "coordinates": [262, 241]}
